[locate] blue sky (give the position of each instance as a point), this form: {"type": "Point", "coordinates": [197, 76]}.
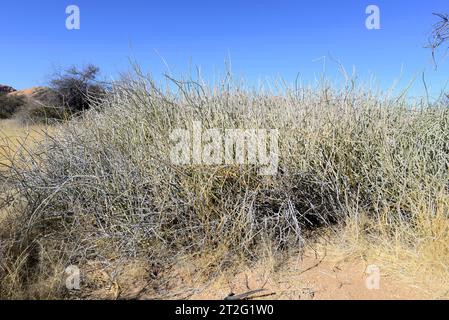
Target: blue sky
{"type": "Point", "coordinates": [263, 39]}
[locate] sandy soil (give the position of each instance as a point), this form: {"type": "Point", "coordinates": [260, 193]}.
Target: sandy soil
{"type": "Point", "coordinates": [309, 277]}
{"type": "Point", "coordinates": [315, 278]}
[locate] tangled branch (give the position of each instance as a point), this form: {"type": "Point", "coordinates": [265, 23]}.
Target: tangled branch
{"type": "Point", "coordinates": [440, 33]}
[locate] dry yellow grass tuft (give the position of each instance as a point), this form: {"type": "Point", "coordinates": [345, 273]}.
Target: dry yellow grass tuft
{"type": "Point", "coordinates": [417, 256]}
{"type": "Point", "coordinates": [15, 137]}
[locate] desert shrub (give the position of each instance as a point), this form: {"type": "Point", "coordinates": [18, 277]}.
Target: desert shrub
{"type": "Point", "coordinates": [9, 105]}
{"type": "Point", "coordinates": [105, 186]}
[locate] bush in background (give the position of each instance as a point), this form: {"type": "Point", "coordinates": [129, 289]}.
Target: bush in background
{"type": "Point", "coordinates": [76, 89]}
{"type": "Point", "coordinates": [9, 105]}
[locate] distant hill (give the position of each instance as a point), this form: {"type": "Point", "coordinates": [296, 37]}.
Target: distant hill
{"type": "Point", "coordinates": [35, 93]}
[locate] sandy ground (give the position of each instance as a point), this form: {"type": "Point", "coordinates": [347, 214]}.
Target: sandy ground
{"type": "Point", "coordinates": [315, 278]}
{"type": "Point", "coordinates": [306, 277]}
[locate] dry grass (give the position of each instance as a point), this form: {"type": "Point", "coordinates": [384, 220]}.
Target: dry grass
{"type": "Point", "coordinates": [418, 254]}
{"type": "Point", "coordinates": [104, 188]}
{"type": "Point", "coordinates": [15, 136]}
{"type": "Point", "coordinates": [16, 140]}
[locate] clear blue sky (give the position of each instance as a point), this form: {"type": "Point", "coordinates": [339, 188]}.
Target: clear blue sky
{"type": "Point", "coordinates": [263, 38]}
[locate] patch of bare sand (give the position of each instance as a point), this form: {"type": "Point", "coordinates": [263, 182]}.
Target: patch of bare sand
{"type": "Point", "coordinates": [309, 276]}
{"type": "Point", "coordinates": [312, 277]}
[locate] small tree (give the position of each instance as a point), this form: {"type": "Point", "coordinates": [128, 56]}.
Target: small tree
{"type": "Point", "coordinates": [76, 88]}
